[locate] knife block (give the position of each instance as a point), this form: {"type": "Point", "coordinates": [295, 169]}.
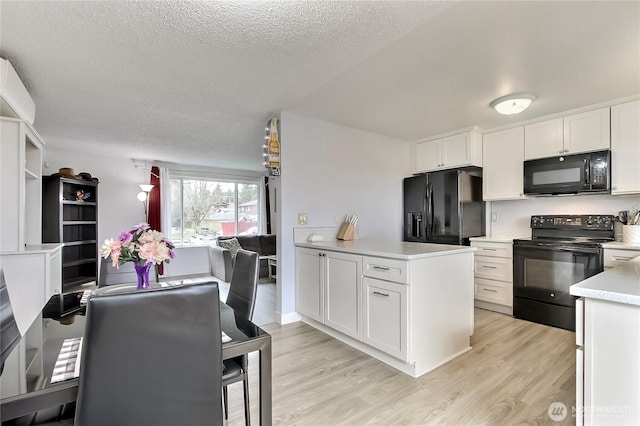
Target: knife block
{"type": "Point", "coordinates": [346, 231]}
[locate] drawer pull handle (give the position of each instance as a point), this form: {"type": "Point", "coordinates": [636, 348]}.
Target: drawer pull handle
{"type": "Point", "coordinates": [488, 289]}
{"type": "Point", "coordinates": [380, 294]}
{"type": "Point", "coordinates": [488, 249]}
{"type": "Point", "coordinates": [380, 268]}
{"type": "Point", "coordinates": [622, 258]}
{"type": "Point", "coordinates": [489, 267]}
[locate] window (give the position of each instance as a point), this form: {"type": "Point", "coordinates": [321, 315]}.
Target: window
{"type": "Point", "coordinates": [203, 209]}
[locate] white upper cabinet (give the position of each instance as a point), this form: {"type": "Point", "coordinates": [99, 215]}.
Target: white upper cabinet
{"type": "Point", "coordinates": [625, 148]}
{"type": "Point", "coordinates": [588, 131]}
{"type": "Point", "coordinates": [543, 139]}
{"type": "Point", "coordinates": [463, 149]}
{"type": "Point", "coordinates": [427, 156]}
{"type": "Point", "coordinates": [503, 156]}
{"type": "Point", "coordinates": [584, 132]}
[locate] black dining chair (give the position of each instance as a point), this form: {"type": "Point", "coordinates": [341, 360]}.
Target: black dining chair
{"type": "Point", "coordinates": [242, 298]}
{"type": "Point", "coordinates": [9, 333]}
{"type": "Point", "coordinates": [152, 357]}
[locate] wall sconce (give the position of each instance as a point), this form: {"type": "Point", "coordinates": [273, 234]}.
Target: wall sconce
{"type": "Point", "coordinates": [143, 196]}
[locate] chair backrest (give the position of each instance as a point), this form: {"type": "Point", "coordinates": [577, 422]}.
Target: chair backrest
{"type": "Point", "coordinates": [9, 333]}
{"type": "Point", "coordinates": [244, 284]}
{"type": "Point", "coordinates": [152, 357]}
{"type": "Point", "coordinates": [126, 273]}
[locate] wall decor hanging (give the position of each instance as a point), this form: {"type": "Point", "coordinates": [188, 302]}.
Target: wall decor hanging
{"type": "Point", "coordinates": [272, 147]}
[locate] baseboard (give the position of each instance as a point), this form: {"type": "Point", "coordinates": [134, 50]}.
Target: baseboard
{"type": "Point", "coordinates": [508, 310]}
{"type": "Point", "coordinates": [288, 318]}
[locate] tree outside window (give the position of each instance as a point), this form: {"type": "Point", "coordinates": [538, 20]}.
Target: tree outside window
{"type": "Point", "coordinates": [202, 210]}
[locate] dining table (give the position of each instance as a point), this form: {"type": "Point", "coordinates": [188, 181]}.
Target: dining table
{"type": "Point", "coordinates": [240, 336]}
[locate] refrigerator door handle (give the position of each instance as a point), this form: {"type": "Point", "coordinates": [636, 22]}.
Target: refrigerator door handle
{"type": "Point", "coordinates": [429, 210]}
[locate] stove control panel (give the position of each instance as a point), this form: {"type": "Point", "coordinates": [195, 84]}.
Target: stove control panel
{"type": "Point", "coordinates": [604, 222]}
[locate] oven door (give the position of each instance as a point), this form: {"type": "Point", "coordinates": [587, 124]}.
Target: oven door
{"type": "Point", "coordinates": [544, 271]}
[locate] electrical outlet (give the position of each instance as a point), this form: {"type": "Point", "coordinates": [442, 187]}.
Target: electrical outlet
{"type": "Point", "coordinates": [494, 216]}
{"type": "Point", "coordinates": [302, 218]}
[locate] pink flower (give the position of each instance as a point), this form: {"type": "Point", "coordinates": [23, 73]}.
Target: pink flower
{"type": "Point", "coordinates": [154, 252]}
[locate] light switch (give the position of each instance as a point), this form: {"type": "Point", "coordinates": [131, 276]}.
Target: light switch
{"type": "Point", "coordinates": [302, 218]}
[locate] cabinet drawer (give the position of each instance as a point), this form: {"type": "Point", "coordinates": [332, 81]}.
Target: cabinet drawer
{"type": "Point", "coordinates": [493, 249]}
{"type": "Point", "coordinates": [385, 317]}
{"type": "Point", "coordinates": [487, 291]}
{"type": "Point", "coordinates": [386, 269]}
{"type": "Point", "coordinates": [494, 268]}
{"type": "Point", "coordinates": [616, 257]}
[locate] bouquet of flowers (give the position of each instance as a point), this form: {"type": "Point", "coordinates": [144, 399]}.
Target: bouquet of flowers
{"type": "Point", "coordinates": [141, 245]}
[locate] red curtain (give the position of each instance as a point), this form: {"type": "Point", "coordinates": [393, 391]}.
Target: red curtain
{"type": "Point", "coordinates": [154, 216]}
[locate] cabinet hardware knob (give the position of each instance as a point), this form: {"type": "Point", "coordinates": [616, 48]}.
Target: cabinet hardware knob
{"type": "Point", "coordinates": [380, 294]}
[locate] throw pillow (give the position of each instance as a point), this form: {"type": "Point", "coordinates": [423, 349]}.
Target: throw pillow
{"type": "Point", "coordinates": [232, 245]}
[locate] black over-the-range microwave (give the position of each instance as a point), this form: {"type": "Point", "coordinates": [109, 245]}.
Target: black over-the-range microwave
{"type": "Point", "coordinates": [589, 172]}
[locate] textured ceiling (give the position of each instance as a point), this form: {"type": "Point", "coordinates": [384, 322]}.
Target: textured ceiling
{"type": "Point", "coordinates": [195, 82]}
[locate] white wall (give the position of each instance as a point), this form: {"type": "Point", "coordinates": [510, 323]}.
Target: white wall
{"type": "Point", "coordinates": [328, 171]}
{"type": "Point", "coordinates": [514, 216]}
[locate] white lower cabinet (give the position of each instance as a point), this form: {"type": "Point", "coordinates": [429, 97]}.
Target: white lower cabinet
{"type": "Point", "coordinates": [329, 289]}
{"type": "Point", "coordinates": [310, 283]}
{"type": "Point", "coordinates": [413, 314]}
{"type": "Point", "coordinates": [385, 316]}
{"type": "Point", "coordinates": [619, 256]}
{"type": "Point", "coordinates": [343, 299]}
{"type": "Point", "coordinates": [493, 275]}
{"type": "Point", "coordinates": [607, 367]}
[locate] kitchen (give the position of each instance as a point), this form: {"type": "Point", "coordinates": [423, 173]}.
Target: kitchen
{"type": "Point", "coordinates": [332, 169]}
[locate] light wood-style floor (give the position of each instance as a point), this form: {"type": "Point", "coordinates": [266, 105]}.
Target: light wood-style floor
{"type": "Point", "coordinates": [515, 370]}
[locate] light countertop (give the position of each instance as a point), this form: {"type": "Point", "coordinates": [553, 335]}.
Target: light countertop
{"type": "Point", "coordinates": [619, 284]}
{"type": "Point", "coordinates": [37, 248]}
{"type": "Point", "coordinates": [621, 246]}
{"type": "Point", "coordinates": [390, 249]}
{"type": "Point", "coordinates": [495, 238]}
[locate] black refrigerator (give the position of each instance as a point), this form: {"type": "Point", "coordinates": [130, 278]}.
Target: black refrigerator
{"type": "Point", "coordinates": [444, 207]}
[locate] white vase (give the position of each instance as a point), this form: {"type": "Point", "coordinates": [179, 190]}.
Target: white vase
{"type": "Point", "coordinates": [631, 234]}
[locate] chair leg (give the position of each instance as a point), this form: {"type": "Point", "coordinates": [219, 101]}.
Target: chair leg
{"type": "Point", "coordinates": [246, 401]}
{"type": "Point", "coordinates": [225, 399]}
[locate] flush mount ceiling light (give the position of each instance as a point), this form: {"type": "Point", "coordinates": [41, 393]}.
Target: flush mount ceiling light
{"type": "Point", "coordinates": [512, 104]}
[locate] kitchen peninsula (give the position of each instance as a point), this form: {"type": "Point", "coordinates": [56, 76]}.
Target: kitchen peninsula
{"type": "Point", "coordinates": [608, 340]}
{"type": "Point", "coordinates": [410, 305]}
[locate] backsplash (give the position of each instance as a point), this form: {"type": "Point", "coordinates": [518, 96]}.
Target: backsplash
{"type": "Point", "coordinates": [514, 216]}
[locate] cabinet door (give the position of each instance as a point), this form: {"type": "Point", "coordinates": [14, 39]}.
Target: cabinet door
{"type": "Point", "coordinates": [503, 156]}
{"type": "Point", "coordinates": [625, 148]}
{"type": "Point", "coordinates": [589, 131]}
{"type": "Point", "coordinates": [427, 156]}
{"type": "Point", "coordinates": [456, 150]}
{"type": "Point", "coordinates": [544, 139]}
{"type": "Point", "coordinates": [385, 316]}
{"type": "Point", "coordinates": [342, 293]}
{"type": "Point", "coordinates": [309, 279]}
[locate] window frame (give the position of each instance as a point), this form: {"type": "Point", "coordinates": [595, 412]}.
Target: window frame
{"type": "Point", "coordinates": [214, 177]}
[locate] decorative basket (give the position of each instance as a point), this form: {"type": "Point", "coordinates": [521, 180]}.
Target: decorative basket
{"type": "Point", "coordinates": [631, 234]}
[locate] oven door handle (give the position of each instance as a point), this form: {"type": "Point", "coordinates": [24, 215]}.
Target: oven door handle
{"type": "Point", "coordinates": [575, 249]}
{"type": "Point", "coordinates": [554, 247]}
